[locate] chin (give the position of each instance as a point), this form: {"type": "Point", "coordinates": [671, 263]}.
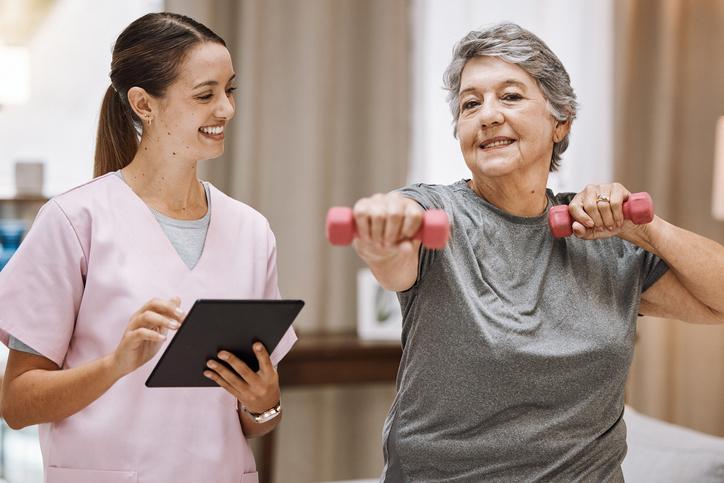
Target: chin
{"type": "Point", "coordinates": [496, 167]}
{"type": "Point", "coordinates": [212, 153]}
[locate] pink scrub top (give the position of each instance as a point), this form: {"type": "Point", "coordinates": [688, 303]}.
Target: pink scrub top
{"type": "Point", "coordinates": [93, 257]}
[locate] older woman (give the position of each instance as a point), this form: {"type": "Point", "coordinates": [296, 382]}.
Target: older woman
{"type": "Point", "coordinates": [516, 344]}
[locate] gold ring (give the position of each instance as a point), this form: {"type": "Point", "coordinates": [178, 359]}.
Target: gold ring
{"type": "Point", "coordinates": [602, 198]}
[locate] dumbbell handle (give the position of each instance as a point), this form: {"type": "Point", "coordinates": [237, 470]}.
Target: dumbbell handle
{"type": "Point", "coordinates": [639, 208]}
{"type": "Point", "coordinates": [434, 231]}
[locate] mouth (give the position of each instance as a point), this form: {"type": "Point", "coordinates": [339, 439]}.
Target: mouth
{"type": "Point", "coordinates": [496, 142]}
{"type": "Point", "coordinates": [213, 132]}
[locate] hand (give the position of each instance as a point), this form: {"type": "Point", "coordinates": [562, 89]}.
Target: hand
{"type": "Point", "coordinates": [386, 224]}
{"type": "Point", "coordinates": [146, 332]}
{"type": "Point", "coordinates": [595, 218]}
{"type": "Point", "coordinates": [256, 391]}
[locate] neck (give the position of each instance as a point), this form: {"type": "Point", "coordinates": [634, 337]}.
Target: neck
{"type": "Point", "coordinates": [525, 198]}
{"type": "Point", "coordinates": [166, 182]}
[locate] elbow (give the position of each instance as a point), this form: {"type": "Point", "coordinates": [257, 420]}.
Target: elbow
{"type": "Point", "coordinates": [15, 424]}
{"type": "Point", "coordinates": [10, 415]}
{"type": "Point", "coordinates": [12, 420]}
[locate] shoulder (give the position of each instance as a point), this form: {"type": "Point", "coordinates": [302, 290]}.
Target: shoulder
{"type": "Point", "coordinates": [76, 209]}
{"type": "Point", "coordinates": [434, 195]}
{"type": "Point", "coordinates": [234, 207]}
{"type": "Point", "coordinates": [86, 197]}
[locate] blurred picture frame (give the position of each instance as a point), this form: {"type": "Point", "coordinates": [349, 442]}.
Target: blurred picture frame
{"type": "Point", "coordinates": [378, 311]}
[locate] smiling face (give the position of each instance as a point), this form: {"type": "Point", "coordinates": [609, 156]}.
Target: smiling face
{"type": "Point", "coordinates": [504, 126]}
{"type": "Point", "coordinates": [192, 115]}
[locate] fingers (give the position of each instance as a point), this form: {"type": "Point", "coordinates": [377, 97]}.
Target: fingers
{"type": "Point", "coordinates": [591, 205]}
{"type": "Point", "coordinates": [619, 194]}
{"type": "Point", "coordinates": [598, 210]}
{"type": "Point", "coordinates": [246, 383]}
{"type": "Point", "coordinates": [145, 334]}
{"type": "Point", "coordinates": [159, 314]}
{"type": "Point", "coordinates": [386, 219]}
{"type": "Point", "coordinates": [168, 308]}
{"type": "Point", "coordinates": [242, 370]}
{"type": "Point", "coordinates": [237, 390]}
{"type": "Point", "coordinates": [153, 320]}
{"type": "Point", "coordinates": [265, 364]}
{"type": "Point", "coordinates": [412, 220]}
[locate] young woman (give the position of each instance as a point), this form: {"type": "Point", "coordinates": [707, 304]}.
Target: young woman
{"type": "Point", "coordinates": [109, 268]}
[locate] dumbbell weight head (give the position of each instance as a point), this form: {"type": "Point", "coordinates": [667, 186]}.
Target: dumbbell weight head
{"type": "Point", "coordinates": [639, 208]}
{"type": "Point", "coordinates": [435, 229]}
{"type": "Point", "coordinates": [340, 226]}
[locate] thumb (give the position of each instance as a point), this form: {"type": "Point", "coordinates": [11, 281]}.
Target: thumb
{"type": "Point", "coordinates": [578, 229]}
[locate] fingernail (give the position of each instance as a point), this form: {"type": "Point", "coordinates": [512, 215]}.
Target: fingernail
{"type": "Point", "coordinates": [257, 347]}
{"type": "Point", "coordinates": [179, 312]}
{"type": "Point", "coordinates": [207, 374]}
{"type": "Point", "coordinates": [211, 364]}
{"type": "Point", "coordinates": [223, 356]}
{"type": "Point", "coordinates": [174, 325]}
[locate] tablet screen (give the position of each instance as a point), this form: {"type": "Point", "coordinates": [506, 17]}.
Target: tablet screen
{"type": "Point", "coordinates": [214, 325]}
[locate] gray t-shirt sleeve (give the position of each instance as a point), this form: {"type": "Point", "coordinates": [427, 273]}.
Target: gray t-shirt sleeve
{"type": "Point", "coordinates": [653, 268]}
{"type": "Point", "coordinates": [429, 199]}
{"type": "Point", "coordinates": [18, 345]}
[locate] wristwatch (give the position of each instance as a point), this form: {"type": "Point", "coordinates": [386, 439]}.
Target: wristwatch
{"type": "Point", "coordinates": [267, 415]}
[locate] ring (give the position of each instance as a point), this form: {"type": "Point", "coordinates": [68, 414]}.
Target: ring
{"type": "Point", "coordinates": [602, 198]}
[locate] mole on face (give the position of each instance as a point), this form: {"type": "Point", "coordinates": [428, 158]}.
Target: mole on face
{"type": "Point", "coordinates": [174, 154]}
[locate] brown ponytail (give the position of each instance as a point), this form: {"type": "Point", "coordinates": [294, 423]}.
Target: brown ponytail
{"type": "Point", "coordinates": [117, 138]}
{"type": "Point", "coordinates": [147, 54]}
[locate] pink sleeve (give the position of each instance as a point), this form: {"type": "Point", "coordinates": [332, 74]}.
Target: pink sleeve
{"type": "Point", "coordinates": [42, 285]}
{"type": "Point", "coordinates": [271, 291]}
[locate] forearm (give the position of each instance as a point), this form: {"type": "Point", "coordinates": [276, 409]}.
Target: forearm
{"type": "Point", "coordinates": [253, 429]}
{"type": "Point", "coordinates": [396, 272]}
{"type": "Point", "coordinates": [697, 262]}
{"type": "Point", "coordinates": [43, 396]}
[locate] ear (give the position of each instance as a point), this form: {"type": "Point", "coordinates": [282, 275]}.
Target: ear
{"type": "Point", "coordinates": [142, 103]}
{"type": "Point", "coordinates": [562, 128]}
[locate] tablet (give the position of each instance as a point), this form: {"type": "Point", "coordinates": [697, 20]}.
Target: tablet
{"type": "Point", "coordinates": [213, 325]}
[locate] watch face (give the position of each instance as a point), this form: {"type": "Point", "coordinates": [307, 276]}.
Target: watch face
{"type": "Point", "coordinates": [266, 415]}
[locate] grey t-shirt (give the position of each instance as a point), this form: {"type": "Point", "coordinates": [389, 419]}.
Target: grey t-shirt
{"type": "Point", "coordinates": [186, 236]}
{"type": "Point", "coordinates": [516, 348]}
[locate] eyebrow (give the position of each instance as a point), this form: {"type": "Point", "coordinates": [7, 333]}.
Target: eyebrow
{"type": "Point", "coordinates": [213, 82]}
{"type": "Point", "coordinates": [505, 83]}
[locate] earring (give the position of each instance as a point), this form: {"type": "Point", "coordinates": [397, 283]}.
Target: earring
{"type": "Point", "coordinates": [149, 120]}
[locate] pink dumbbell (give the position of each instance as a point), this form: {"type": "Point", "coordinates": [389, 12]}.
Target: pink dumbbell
{"type": "Point", "coordinates": [434, 232]}
{"type": "Point", "coordinates": [639, 208]}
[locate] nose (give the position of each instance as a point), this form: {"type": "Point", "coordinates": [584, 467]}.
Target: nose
{"type": "Point", "coordinates": [490, 114]}
{"type": "Point", "coordinates": [225, 108]}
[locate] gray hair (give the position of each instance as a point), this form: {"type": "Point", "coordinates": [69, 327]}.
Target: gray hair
{"type": "Point", "coordinates": [518, 46]}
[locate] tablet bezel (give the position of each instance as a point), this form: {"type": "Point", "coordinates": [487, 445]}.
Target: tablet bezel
{"type": "Point", "coordinates": [198, 340]}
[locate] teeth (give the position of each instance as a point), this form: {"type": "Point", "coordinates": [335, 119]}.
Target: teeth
{"type": "Point", "coordinates": [495, 144]}
{"type": "Point", "coordinates": [212, 130]}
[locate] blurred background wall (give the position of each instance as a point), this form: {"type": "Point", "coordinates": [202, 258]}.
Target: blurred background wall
{"type": "Point", "coordinates": [339, 99]}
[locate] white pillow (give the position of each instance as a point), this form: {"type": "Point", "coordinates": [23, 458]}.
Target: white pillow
{"type": "Point", "coordinates": [665, 453]}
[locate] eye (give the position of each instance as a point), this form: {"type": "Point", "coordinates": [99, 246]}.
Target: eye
{"type": "Point", "coordinates": [231, 90]}
{"type": "Point", "coordinates": [512, 97]}
{"type": "Point", "coordinates": [205, 97]}
{"type": "Point", "coordinates": [470, 104]}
